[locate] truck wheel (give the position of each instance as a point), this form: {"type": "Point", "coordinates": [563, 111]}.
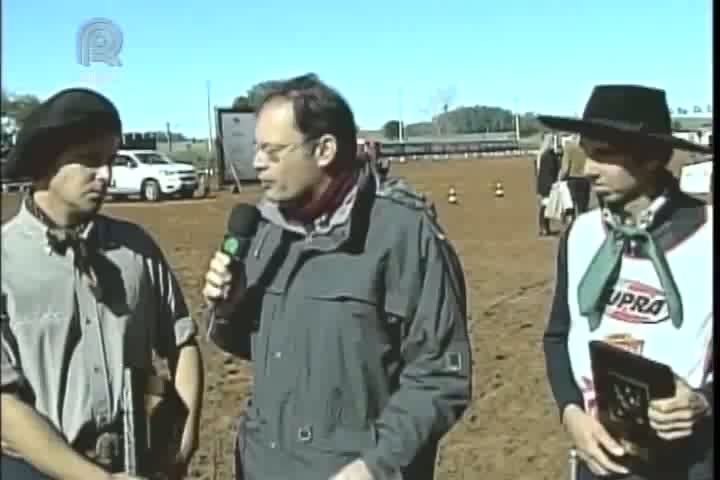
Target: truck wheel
{"type": "Point", "coordinates": [151, 191]}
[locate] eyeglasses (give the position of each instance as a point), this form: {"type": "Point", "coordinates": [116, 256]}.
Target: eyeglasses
{"type": "Point", "coordinates": [275, 149]}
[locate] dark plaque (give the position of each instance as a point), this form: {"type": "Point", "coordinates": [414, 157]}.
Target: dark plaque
{"type": "Point", "coordinates": [625, 384]}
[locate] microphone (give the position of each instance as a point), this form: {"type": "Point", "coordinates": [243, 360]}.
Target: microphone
{"type": "Point", "coordinates": [241, 228]}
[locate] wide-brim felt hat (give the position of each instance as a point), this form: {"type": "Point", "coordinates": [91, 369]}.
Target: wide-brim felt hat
{"type": "Point", "coordinates": [624, 114]}
{"type": "Point", "coordinates": [70, 116]}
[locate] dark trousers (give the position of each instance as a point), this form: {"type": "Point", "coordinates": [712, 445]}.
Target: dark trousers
{"type": "Point", "coordinates": [16, 469]}
{"type": "Point", "coordinates": [543, 223]}
{"type": "Point", "coordinates": [580, 192]}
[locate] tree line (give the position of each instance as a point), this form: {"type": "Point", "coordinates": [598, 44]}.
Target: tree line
{"type": "Point", "coordinates": [477, 119]}
{"type": "Point", "coordinates": [465, 120]}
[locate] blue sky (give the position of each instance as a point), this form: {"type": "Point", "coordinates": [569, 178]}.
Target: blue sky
{"type": "Point", "coordinates": [533, 55]}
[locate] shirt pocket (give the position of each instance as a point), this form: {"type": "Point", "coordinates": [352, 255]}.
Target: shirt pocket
{"type": "Point", "coordinates": [352, 340]}
{"type": "Point", "coordinates": [347, 308]}
{"type": "Point", "coordinates": [26, 310]}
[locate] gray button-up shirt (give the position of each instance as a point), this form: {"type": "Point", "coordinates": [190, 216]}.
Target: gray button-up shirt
{"type": "Point", "coordinates": [64, 348]}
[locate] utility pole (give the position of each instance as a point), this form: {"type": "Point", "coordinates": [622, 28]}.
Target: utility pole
{"type": "Point", "coordinates": [169, 136]}
{"type": "Point", "coordinates": [210, 122]}
{"type": "Point", "coordinates": [517, 121]}
{"type": "Point", "coordinates": [401, 126]}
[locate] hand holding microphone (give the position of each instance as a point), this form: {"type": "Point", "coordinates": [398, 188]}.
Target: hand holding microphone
{"type": "Point", "coordinates": [219, 281]}
{"type": "Point", "coordinates": [225, 279]}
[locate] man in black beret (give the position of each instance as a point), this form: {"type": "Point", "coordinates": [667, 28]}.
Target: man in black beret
{"type": "Point", "coordinates": [83, 297]}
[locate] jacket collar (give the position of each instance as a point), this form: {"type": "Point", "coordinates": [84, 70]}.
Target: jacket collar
{"type": "Point", "coordinates": [330, 231]}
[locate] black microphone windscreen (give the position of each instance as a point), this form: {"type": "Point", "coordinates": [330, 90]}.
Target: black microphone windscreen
{"type": "Point", "coordinates": [243, 220]}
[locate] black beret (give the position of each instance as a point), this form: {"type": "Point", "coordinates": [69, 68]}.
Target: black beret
{"type": "Point", "coordinates": [70, 117]}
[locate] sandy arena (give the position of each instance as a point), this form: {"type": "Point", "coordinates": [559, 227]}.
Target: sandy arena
{"type": "Point", "coordinates": [511, 430]}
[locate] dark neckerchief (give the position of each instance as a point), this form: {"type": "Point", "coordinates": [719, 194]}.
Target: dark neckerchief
{"type": "Point", "coordinates": [605, 266]}
{"type": "Point", "coordinates": [75, 237]}
{"type": "Point", "coordinates": [59, 238]}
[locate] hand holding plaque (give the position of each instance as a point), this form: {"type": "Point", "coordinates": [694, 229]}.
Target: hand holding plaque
{"type": "Point", "coordinates": [593, 444]}
{"type": "Point", "coordinates": [626, 385]}
{"type": "Point", "coordinates": [675, 418]}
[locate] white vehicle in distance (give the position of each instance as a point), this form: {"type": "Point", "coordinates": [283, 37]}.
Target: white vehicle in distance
{"type": "Point", "coordinates": [152, 175]}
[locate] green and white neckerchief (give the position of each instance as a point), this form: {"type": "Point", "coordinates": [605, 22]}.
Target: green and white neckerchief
{"type": "Point", "coordinates": [603, 271]}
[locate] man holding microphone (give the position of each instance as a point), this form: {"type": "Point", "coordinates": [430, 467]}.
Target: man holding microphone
{"type": "Point", "coordinates": [347, 297]}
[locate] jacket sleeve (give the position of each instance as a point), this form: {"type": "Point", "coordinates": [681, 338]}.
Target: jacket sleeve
{"type": "Point", "coordinates": [424, 278]}
{"type": "Point", "coordinates": [555, 339]}
{"type": "Point", "coordinates": [233, 335]}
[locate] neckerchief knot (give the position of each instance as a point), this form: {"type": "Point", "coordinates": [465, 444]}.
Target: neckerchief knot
{"type": "Point", "coordinates": [60, 239]}
{"type": "Point", "coordinates": [604, 268]}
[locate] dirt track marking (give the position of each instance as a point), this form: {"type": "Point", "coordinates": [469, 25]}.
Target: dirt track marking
{"type": "Point", "coordinates": [509, 297]}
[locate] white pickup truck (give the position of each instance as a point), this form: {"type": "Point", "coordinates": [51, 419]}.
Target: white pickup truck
{"type": "Point", "coordinates": [152, 175]}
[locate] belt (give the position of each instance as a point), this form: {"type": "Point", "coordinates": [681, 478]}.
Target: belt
{"type": "Point", "coordinates": [106, 450]}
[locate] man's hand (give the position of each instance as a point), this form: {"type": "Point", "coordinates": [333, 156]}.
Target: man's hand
{"type": "Point", "coordinates": [218, 279]}
{"type": "Point", "coordinates": [221, 287]}
{"type": "Point", "coordinates": [675, 418]}
{"type": "Point", "coordinates": [592, 441]}
{"type": "Point", "coordinates": [356, 470]}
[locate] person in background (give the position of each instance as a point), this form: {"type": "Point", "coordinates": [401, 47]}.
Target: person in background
{"type": "Point", "coordinates": [382, 162]}
{"type": "Point", "coordinates": [572, 171]}
{"type": "Point", "coordinates": [547, 167]}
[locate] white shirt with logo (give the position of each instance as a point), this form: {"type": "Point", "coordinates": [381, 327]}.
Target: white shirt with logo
{"type": "Point", "coordinates": [636, 317]}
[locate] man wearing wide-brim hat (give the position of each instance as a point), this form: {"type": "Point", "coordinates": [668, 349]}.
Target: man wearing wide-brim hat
{"type": "Point", "coordinates": [637, 273]}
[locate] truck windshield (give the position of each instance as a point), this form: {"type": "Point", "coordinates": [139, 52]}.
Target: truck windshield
{"type": "Point", "coordinates": [152, 159]}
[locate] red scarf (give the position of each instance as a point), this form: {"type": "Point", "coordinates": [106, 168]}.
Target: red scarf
{"type": "Point", "coordinates": [327, 202]}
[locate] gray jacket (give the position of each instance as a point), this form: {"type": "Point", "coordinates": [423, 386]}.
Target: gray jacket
{"type": "Point", "coordinates": [357, 332]}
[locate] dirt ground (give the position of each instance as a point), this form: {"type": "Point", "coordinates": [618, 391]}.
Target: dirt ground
{"type": "Point", "coordinates": [511, 430]}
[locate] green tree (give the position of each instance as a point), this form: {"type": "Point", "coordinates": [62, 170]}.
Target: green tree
{"type": "Point", "coordinates": [241, 103]}
{"type": "Point", "coordinates": [477, 119]}
{"type": "Point", "coordinates": [391, 130]}
{"type": "Point", "coordinates": [18, 107]}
